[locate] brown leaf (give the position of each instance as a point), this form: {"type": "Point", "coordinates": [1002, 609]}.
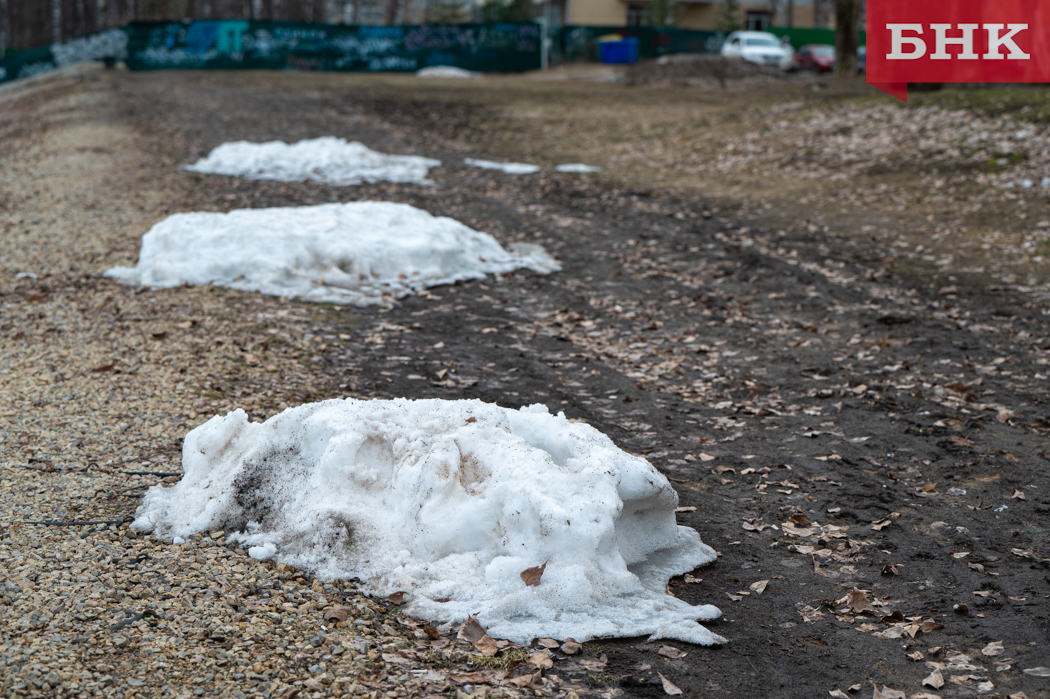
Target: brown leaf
{"type": "Point", "coordinates": [669, 687]}
{"type": "Point", "coordinates": [759, 587]}
{"type": "Point", "coordinates": [338, 613]}
{"type": "Point", "coordinates": [431, 632]}
{"type": "Point", "coordinates": [671, 652]}
{"type": "Point", "coordinates": [471, 420]}
{"type": "Point", "coordinates": [487, 646]}
{"type": "Point", "coordinates": [879, 526]}
{"type": "Point", "coordinates": [895, 617]}
{"type": "Point", "coordinates": [291, 693]}
{"type": "Point", "coordinates": [689, 508]}
{"type": "Point", "coordinates": [1019, 695]}
{"type": "Point", "coordinates": [928, 626]}
{"type": "Point", "coordinates": [398, 597]}
{"type": "Point", "coordinates": [935, 680]}
{"type": "Point", "coordinates": [547, 643]}
{"type": "Point", "coordinates": [838, 694]}
{"type": "Point", "coordinates": [917, 655]}
{"type": "Point", "coordinates": [471, 631]}
{"type": "Point", "coordinates": [961, 608]}
{"type": "Point", "coordinates": [858, 602]}
{"type": "Point", "coordinates": [888, 693]}
{"type": "Point", "coordinates": [108, 366]}
{"type": "Point", "coordinates": [159, 335]}
{"type": "Point", "coordinates": [467, 677]}
{"type": "Point", "coordinates": [992, 649]}
{"type": "Point", "coordinates": [929, 487]}
{"type": "Point", "coordinates": [541, 660]}
{"type": "Point", "coordinates": [890, 569]}
{"type": "Point", "coordinates": [532, 576]}
{"type": "Point", "coordinates": [1018, 495]}
{"type": "Point", "coordinates": [570, 647]}
{"type": "Point", "coordinates": [1037, 671]}
{"type": "Point", "coordinates": [442, 600]}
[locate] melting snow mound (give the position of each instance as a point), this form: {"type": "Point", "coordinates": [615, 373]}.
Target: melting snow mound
{"type": "Point", "coordinates": [448, 500]}
{"type": "Point", "coordinates": [446, 72]}
{"type": "Point", "coordinates": [509, 168]}
{"type": "Point", "coordinates": [329, 160]}
{"type": "Point", "coordinates": [353, 253]}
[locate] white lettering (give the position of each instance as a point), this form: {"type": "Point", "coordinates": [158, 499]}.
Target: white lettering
{"type": "Point", "coordinates": [995, 42]}
{"type": "Point", "coordinates": [899, 41]}
{"type": "Point", "coordinates": [966, 41]}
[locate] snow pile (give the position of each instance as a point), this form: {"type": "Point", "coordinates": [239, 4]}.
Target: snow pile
{"type": "Point", "coordinates": [354, 253]}
{"type": "Point", "coordinates": [446, 72]}
{"type": "Point", "coordinates": [449, 501]}
{"type": "Point", "coordinates": [509, 168]}
{"type": "Point", "coordinates": [575, 167]}
{"type": "Point", "coordinates": [328, 160]}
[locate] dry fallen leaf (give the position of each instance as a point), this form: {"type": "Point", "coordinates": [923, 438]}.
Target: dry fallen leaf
{"type": "Point", "coordinates": [471, 631]}
{"type": "Point", "coordinates": [398, 597]}
{"type": "Point", "coordinates": [541, 660]}
{"type": "Point", "coordinates": [487, 646]}
{"type": "Point", "coordinates": [547, 643]}
{"type": "Point", "coordinates": [338, 613]}
{"type": "Point", "coordinates": [570, 647]}
{"type": "Point", "coordinates": [471, 420]}
{"type": "Point", "coordinates": [431, 632]}
{"type": "Point", "coordinates": [108, 366]}
{"type": "Point", "coordinates": [1019, 695]}
{"type": "Point", "coordinates": [688, 508]}
{"type": "Point", "coordinates": [879, 526]}
{"type": "Point", "coordinates": [251, 359]}
{"type": "Point", "coordinates": [705, 457]}
{"type": "Point", "coordinates": [1018, 495]}
{"type": "Point", "coordinates": [961, 608]}
{"type": "Point", "coordinates": [838, 694]}
{"type": "Point", "coordinates": [671, 652]}
{"type": "Point", "coordinates": [992, 649]}
{"type": "Point", "coordinates": [759, 587]}
{"type": "Point", "coordinates": [1037, 671]}
{"type": "Point", "coordinates": [669, 687]}
{"type": "Point", "coordinates": [532, 576]}
{"type": "Point", "coordinates": [858, 602]}
{"type": "Point", "coordinates": [935, 680]}
{"type": "Point", "coordinates": [187, 324]}
{"type": "Point", "coordinates": [959, 554]}
{"type": "Point", "coordinates": [924, 695]}
{"type": "Point", "coordinates": [888, 693]}
{"type": "Point", "coordinates": [917, 655]}
{"type": "Point", "coordinates": [890, 569]}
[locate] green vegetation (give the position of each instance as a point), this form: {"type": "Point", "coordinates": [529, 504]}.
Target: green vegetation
{"type": "Point", "coordinates": [1030, 104]}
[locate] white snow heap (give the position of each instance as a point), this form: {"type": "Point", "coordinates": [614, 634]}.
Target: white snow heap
{"type": "Point", "coordinates": [448, 499]}
{"type": "Point", "coordinates": [509, 168]}
{"type": "Point", "coordinates": [329, 160]}
{"type": "Point", "coordinates": [575, 167]}
{"type": "Point", "coordinates": [446, 72]}
{"type": "Point", "coordinates": [353, 253]}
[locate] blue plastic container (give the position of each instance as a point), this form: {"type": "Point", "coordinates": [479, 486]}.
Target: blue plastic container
{"type": "Point", "coordinates": [622, 51]}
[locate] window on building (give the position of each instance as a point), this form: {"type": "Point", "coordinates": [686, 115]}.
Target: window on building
{"type": "Point", "coordinates": [636, 15]}
{"type": "Point", "coordinates": [758, 21]}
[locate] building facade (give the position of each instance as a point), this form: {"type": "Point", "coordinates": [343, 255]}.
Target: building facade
{"type": "Point", "coordinates": [692, 14]}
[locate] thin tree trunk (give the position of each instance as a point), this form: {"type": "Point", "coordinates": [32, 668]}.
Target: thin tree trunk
{"type": "Point", "coordinates": [847, 13]}
{"type": "Point", "coordinates": [390, 16]}
{"type": "Point", "coordinates": [791, 12]}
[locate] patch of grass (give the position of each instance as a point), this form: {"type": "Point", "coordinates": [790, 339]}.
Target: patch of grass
{"type": "Point", "coordinates": [501, 661]}
{"type": "Point", "coordinates": [602, 678]}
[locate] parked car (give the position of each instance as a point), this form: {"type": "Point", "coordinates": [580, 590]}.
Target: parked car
{"type": "Point", "coordinates": [757, 47]}
{"type": "Point", "coordinates": [818, 57]}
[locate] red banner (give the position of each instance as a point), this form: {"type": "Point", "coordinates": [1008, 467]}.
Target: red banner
{"type": "Point", "coordinates": [960, 41]}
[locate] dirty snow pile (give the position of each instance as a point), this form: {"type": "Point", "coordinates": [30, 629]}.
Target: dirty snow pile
{"type": "Point", "coordinates": [575, 167]}
{"type": "Point", "coordinates": [449, 501]}
{"type": "Point", "coordinates": [328, 160]}
{"type": "Point", "coordinates": [509, 168]}
{"type": "Point", "coordinates": [353, 253]}
{"type": "Point", "coordinates": [446, 72]}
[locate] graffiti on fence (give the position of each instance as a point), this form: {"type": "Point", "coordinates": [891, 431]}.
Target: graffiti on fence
{"type": "Point", "coordinates": [279, 45]}
{"type": "Point", "coordinates": [112, 43]}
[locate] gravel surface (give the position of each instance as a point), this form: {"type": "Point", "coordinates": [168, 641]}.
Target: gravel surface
{"type": "Point", "coordinates": [868, 455]}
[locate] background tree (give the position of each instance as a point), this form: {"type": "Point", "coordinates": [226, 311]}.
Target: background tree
{"type": "Point", "coordinates": [662, 13]}
{"type": "Point", "coordinates": [446, 12]}
{"type": "Point", "coordinates": [847, 16]}
{"type": "Point", "coordinates": [728, 19]}
{"type": "Point", "coordinates": [508, 11]}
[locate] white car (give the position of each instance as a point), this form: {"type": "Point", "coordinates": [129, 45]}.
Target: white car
{"type": "Point", "coordinates": [758, 47]}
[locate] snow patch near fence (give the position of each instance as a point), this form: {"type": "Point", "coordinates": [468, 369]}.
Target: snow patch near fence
{"type": "Point", "coordinates": [575, 167]}
{"type": "Point", "coordinates": [353, 253]}
{"type": "Point", "coordinates": [446, 72]}
{"type": "Point", "coordinates": [449, 501]}
{"type": "Point", "coordinates": [509, 168]}
{"type": "Point", "coordinates": [328, 160]}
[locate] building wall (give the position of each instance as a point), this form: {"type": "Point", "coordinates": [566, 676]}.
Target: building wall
{"type": "Point", "coordinates": [702, 15]}
{"type": "Point", "coordinates": [611, 13]}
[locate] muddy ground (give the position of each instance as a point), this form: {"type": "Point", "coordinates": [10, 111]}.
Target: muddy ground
{"type": "Point", "coordinates": [866, 451]}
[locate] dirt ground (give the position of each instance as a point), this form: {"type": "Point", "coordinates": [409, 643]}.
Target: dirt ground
{"type": "Point", "coordinates": [863, 432]}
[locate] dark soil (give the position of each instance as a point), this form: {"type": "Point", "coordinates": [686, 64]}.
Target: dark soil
{"type": "Point", "coordinates": [768, 376]}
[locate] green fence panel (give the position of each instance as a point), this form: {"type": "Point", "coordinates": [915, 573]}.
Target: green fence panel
{"type": "Point", "coordinates": [242, 44]}
{"type": "Point", "coordinates": [94, 47]}
{"type": "Point", "coordinates": [800, 36]}
{"type": "Point", "coordinates": [581, 43]}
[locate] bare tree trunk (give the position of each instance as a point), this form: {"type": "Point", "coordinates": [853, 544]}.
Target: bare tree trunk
{"type": "Point", "coordinates": [791, 13]}
{"type": "Point", "coordinates": [847, 13]}
{"type": "Point", "coordinates": [390, 16]}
